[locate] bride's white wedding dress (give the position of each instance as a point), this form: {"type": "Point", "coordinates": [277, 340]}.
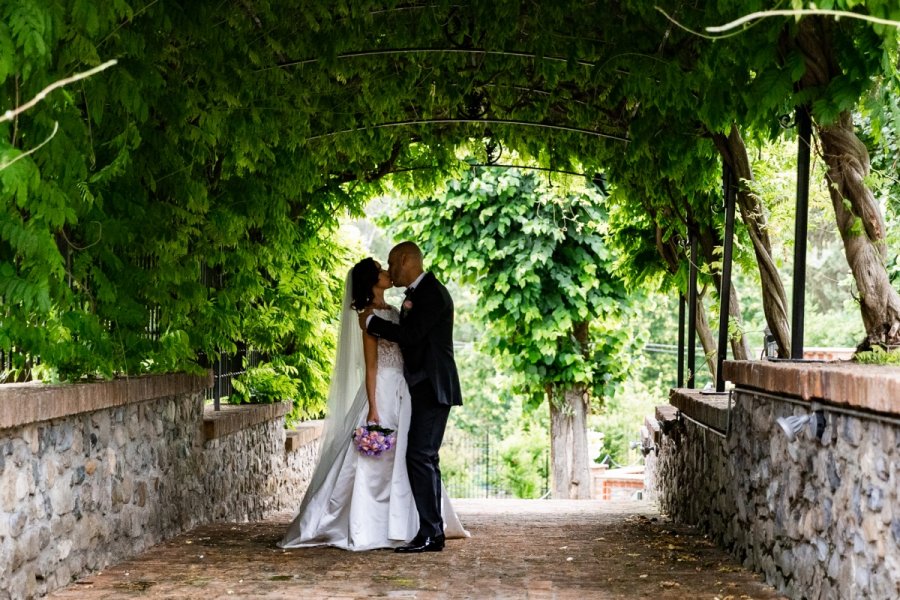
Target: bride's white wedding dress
{"type": "Point", "coordinates": [365, 502]}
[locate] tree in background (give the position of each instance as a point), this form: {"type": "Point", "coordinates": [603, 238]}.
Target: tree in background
{"type": "Point", "coordinates": [537, 257]}
{"type": "Point", "coordinates": [492, 447]}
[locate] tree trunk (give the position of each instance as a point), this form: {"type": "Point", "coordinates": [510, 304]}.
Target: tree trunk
{"type": "Point", "coordinates": [669, 251]}
{"type": "Point", "coordinates": [707, 339]}
{"type": "Point", "coordinates": [861, 224]}
{"type": "Point", "coordinates": [858, 215]}
{"type": "Point", "coordinates": [569, 410]}
{"type": "Point", "coordinates": [707, 242]}
{"type": "Point", "coordinates": [708, 239]}
{"type": "Point", "coordinates": [740, 347]}
{"type": "Point", "coordinates": [774, 298]}
{"type": "Point", "coordinates": [571, 474]}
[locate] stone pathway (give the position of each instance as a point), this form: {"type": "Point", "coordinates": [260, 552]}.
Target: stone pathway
{"type": "Point", "coordinates": [541, 549]}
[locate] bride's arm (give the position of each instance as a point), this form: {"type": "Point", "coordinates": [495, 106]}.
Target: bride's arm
{"type": "Point", "coordinates": [370, 353]}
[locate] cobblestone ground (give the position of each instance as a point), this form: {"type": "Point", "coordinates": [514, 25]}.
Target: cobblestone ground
{"type": "Point", "coordinates": [542, 549]}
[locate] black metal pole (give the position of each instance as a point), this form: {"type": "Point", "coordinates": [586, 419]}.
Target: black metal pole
{"type": "Point", "coordinates": [798, 301]}
{"type": "Point", "coordinates": [681, 303]}
{"type": "Point", "coordinates": [546, 490]}
{"type": "Point", "coordinates": [218, 383]}
{"type": "Point", "coordinates": [692, 315]}
{"type": "Point", "coordinates": [487, 465]}
{"type": "Point", "coordinates": [725, 288]}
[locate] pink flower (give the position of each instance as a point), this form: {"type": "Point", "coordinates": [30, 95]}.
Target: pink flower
{"type": "Point", "coordinates": [372, 440]}
{"type": "Point", "coordinates": [407, 304]}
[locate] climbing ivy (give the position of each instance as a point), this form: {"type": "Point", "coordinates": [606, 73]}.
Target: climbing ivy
{"type": "Point", "coordinates": [187, 201]}
{"type": "Point", "coordinates": [166, 221]}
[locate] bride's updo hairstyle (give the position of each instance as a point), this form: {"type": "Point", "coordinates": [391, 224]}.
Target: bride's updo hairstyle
{"type": "Point", "coordinates": [363, 278]}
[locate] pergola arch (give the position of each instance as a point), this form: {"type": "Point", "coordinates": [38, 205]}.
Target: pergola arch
{"type": "Point", "coordinates": [228, 130]}
{"type": "Point", "coordinates": [486, 82]}
{"type": "Point", "coordinates": [507, 80]}
{"type": "Point", "coordinates": [285, 104]}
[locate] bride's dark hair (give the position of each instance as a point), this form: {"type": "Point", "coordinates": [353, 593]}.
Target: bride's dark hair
{"type": "Point", "coordinates": [363, 278]}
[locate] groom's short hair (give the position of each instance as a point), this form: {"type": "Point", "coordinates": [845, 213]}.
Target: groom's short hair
{"type": "Point", "coordinates": [408, 249]}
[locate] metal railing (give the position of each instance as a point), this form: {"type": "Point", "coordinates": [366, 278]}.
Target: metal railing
{"type": "Point", "coordinates": [471, 467]}
{"type": "Point", "coordinates": [225, 369]}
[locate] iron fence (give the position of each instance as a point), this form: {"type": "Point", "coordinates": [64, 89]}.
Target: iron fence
{"type": "Point", "coordinates": [9, 371]}
{"type": "Point", "coordinates": [473, 466]}
{"type": "Point", "coordinates": [16, 366]}
{"type": "Point", "coordinates": [227, 366]}
{"type": "Point", "coordinates": [226, 369]}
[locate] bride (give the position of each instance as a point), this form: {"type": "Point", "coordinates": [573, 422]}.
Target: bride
{"type": "Point", "coordinates": [359, 502]}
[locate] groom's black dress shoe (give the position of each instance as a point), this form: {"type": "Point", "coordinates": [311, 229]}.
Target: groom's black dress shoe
{"type": "Point", "coordinates": [423, 544]}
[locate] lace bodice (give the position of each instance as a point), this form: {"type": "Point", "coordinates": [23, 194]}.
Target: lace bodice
{"type": "Point", "coordinates": [388, 352]}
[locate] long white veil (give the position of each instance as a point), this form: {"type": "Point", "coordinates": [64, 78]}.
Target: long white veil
{"type": "Point", "coordinates": [346, 396]}
{"type": "Point", "coordinates": [346, 402]}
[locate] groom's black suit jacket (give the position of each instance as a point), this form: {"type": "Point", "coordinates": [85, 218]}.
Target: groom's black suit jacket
{"type": "Point", "coordinates": [425, 335]}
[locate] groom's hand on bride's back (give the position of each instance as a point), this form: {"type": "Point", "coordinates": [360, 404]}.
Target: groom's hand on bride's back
{"type": "Point", "coordinates": [363, 317]}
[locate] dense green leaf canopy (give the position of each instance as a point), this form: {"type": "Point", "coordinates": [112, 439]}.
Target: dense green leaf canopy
{"type": "Point", "coordinates": [188, 198]}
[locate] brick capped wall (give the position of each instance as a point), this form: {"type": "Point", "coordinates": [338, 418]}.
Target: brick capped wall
{"type": "Point", "coordinates": [820, 518]}
{"type": "Point", "coordinates": [121, 466]}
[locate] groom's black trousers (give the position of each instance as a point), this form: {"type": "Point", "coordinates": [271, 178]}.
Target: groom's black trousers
{"type": "Point", "coordinates": [426, 432]}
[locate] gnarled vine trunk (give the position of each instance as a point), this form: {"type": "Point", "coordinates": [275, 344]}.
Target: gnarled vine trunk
{"type": "Point", "coordinates": [708, 241]}
{"type": "Point", "coordinates": [669, 251]}
{"type": "Point", "coordinates": [709, 341]}
{"type": "Point", "coordinates": [858, 215]}
{"type": "Point", "coordinates": [861, 224]}
{"type": "Point", "coordinates": [774, 299]}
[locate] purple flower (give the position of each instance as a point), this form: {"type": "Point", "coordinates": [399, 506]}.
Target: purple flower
{"type": "Point", "coordinates": [372, 440]}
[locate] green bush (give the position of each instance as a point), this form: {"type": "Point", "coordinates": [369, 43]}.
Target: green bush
{"type": "Point", "coordinates": [878, 356]}
{"type": "Point", "coordinates": [265, 384]}
{"type": "Point", "coordinates": [271, 382]}
{"type": "Point", "coordinates": [523, 464]}
{"type": "Point", "coordinates": [456, 467]}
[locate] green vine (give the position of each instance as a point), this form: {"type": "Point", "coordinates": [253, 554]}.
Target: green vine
{"type": "Point", "coordinates": [185, 200]}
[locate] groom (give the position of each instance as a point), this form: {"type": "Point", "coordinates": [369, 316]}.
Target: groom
{"type": "Point", "coordinates": [425, 335]}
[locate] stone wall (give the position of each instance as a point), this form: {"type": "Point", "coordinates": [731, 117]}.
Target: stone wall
{"type": "Point", "coordinates": [302, 450]}
{"type": "Point", "coordinates": [820, 518]}
{"type": "Point", "coordinates": [91, 487]}
{"type": "Point", "coordinates": [248, 470]}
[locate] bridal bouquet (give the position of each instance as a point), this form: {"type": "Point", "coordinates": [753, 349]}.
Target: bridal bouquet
{"type": "Point", "coordinates": [372, 440]}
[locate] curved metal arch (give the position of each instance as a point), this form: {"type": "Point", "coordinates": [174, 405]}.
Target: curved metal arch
{"type": "Point", "coordinates": [491, 166]}
{"type": "Point", "coordinates": [413, 122]}
{"type": "Point", "coordinates": [412, 7]}
{"type": "Point", "coordinates": [476, 51]}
